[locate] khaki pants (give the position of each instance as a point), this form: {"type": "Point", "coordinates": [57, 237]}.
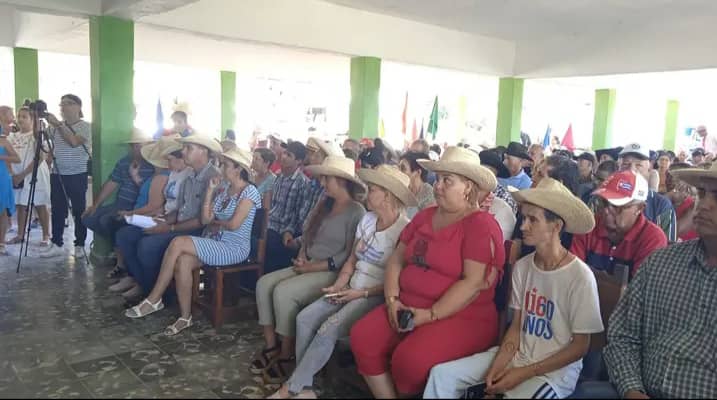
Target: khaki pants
{"type": "Point", "coordinates": [281, 294]}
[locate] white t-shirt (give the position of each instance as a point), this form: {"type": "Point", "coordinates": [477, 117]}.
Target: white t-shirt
{"type": "Point", "coordinates": [553, 306]}
{"type": "Point", "coordinates": [171, 190]}
{"type": "Point", "coordinates": [374, 249]}
{"type": "Point", "coordinates": [711, 144]}
{"type": "Point", "coordinates": [504, 215]}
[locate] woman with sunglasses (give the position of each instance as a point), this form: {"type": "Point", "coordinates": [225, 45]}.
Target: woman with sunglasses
{"type": "Point", "coordinates": [439, 284]}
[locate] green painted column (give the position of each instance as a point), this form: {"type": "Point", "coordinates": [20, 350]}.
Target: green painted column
{"type": "Point", "coordinates": [602, 122]}
{"type": "Point", "coordinates": [365, 85]}
{"type": "Point", "coordinates": [229, 98]}
{"type": "Point", "coordinates": [112, 78]}
{"type": "Point", "coordinates": [27, 78]}
{"type": "Point", "coordinates": [510, 110]}
{"type": "Point", "coordinates": [670, 138]}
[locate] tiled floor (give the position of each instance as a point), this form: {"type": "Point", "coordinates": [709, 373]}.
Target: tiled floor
{"type": "Point", "coordinates": [63, 335]}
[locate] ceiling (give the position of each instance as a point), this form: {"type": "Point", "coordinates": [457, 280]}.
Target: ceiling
{"type": "Point", "coordinates": [538, 19]}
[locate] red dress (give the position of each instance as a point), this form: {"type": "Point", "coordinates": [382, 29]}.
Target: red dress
{"type": "Point", "coordinates": [410, 357]}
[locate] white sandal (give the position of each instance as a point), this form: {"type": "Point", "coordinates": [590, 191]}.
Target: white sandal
{"type": "Point", "coordinates": [173, 330]}
{"type": "Point", "coordinates": [136, 312]}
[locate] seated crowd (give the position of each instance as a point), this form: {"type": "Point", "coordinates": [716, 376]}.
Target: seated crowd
{"type": "Point", "coordinates": [362, 249]}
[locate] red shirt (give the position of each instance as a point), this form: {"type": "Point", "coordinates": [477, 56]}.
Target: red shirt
{"type": "Point", "coordinates": [598, 252]}
{"type": "Point", "coordinates": [443, 252]}
{"type": "Point", "coordinates": [275, 167]}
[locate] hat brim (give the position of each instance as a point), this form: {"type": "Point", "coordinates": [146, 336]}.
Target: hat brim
{"type": "Point", "coordinates": [393, 185]}
{"type": "Point", "coordinates": [147, 153]}
{"type": "Point", "coordinates": [524, 156]}
{"type": "Point", "coordinates": [635, 154]}
{"type": "Point", "coordinates": [210, 144]}
{"type": "Point", "coordinates": [318, 170]}
{"type": "Point", "coordinates": [477, 173]}
{"type": "Point", "coordinates": [694, 176]}
{"type": "Point", "coordinates": [577, 216]}
{"type": "Point", "coordinates": [241, 163]}
{"type": "Point", "coordinates": [616, 199]}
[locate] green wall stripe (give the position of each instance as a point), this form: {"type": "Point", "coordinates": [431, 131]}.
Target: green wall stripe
{"type": "Point", "coordinates": [27, 78]}
{"type": "Point", "coordinates": [510, 109]}
{"type": "Point", "coordinates": [365, 87]}
{"type": "Point", "coordinates": [602, 122]}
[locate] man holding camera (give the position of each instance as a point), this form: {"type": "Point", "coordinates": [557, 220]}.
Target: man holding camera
{"type": "Point", "coordinates": [68, 177]}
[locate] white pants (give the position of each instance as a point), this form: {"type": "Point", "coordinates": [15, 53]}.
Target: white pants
{"type": "Point", "coordinates": [450, 380]}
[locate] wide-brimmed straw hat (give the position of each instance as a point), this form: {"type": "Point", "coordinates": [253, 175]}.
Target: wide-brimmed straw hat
{"type": "Point", "coordinates": [138, 137]}
{"type": "Point", "coordinates": [553, 196]}
{"type": "Point", "coordinates": [202, 140]}
{"type": "Point", "coordinates": [391, 179]}
{"type": "Point", "coordinates": [693, 176]}
{"type": "Point", "coordinates": [156, 153]}
{"type": "Point", "coordinates": [338, 166]}
{"type": "Point", "coordinates": [463, 162]}
{"type": "Point", "coordinates": [241, 157]}
{"type": "Point", "coordinates": [328, 148]}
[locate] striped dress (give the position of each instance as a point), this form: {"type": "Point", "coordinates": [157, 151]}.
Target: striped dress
{"type": "Point", "coordinates": [228, 247]}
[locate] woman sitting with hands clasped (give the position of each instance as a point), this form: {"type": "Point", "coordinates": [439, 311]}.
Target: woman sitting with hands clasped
{"type": "Point", "coordinates": [439, 284]}
{"type": "Point", "coordinates": [359, 286]}
{"type": "Point", "coordinates": [326, 244]}
{"type": "Point", "coordinates": [228, 213]}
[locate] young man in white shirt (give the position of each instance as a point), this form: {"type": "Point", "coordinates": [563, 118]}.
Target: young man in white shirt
{"type": "Point", "coordinates": [556, 309]}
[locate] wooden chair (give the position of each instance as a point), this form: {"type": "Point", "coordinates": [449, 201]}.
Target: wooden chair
{"type": "Point", "coordinates": [610, 287]}
{"type": "Point", "coordinates": [211, 298]}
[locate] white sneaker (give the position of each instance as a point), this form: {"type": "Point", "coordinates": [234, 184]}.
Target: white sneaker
{"type": "Point", "coordinates": [135, 291]}
{"type": "Point", "coordinates": [53, 251]}
{"type": "Point", "coordinates": [124, 284]}
{"type": "Point", "coordinates": [79, 252]}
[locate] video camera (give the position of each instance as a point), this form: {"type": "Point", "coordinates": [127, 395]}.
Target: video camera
{"type": "Point", "coordinates": [38, 106]}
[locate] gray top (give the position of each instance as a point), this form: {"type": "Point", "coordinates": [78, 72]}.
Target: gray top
{"type": "Point", "coordinates": [335, 237]}
{"type": "Point", "coordinates": [189, 202]}
{"type": "Point", "coordinates": [424, 197]}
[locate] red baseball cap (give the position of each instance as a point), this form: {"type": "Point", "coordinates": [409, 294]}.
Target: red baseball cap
{"type": "Point", "coordinates": [623, 187]}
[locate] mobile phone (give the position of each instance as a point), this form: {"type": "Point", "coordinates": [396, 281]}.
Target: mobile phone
{"type": "Point", "coordinates": [475, 392]}
{"type": "Point", "coordinates": [405, 320]}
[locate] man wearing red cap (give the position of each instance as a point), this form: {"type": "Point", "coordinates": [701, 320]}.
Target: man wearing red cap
{"type": "Point", "coordinates": [622, 236]}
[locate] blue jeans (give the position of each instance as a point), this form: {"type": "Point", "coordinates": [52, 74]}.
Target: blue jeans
{"type": "Point", "coordinates": [594, 390]}
{"type": "Point", "coordinates": [75, 188]}
{"type": "Point", "coordinates": [143, 253]}
{"type": "Point", "coordinates": [104, 222]}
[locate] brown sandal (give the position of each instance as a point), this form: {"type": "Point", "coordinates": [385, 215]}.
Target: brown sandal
{"type": "Point", "coordinates": [279, 371]}
{"type": "Point", "coordinates": [263, 359]}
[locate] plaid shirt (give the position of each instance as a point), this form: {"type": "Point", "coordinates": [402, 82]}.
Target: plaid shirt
{"type": "Point", "coordinates": [311, 196]}
{"type": "Point", "coordinates": [286, 202]}
{"type": "Point", "coordinates": [662, 337]}
{"type": "Point", "coordinates": [501, 193]}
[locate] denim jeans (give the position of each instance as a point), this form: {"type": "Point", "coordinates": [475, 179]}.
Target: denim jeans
{"type": "Point", "coordinates": [318, 327]}
{"type": "Point", "coordinates": [595, 390]}
{"type": "Point", "coordinates": [75, 188]}
{"type": "Point", "coordinates": [277, 255]}
{"type": "Point", "coordinates": [104, 222]}
{"type": "Point", "coordinates": [143, 253]}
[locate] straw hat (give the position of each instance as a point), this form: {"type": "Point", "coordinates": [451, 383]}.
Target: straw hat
{"type": "Point", "coordinates": [138, 137]}
{"type": "Point", "coordinates": [202, 140]}
{"type": "Point", "coordinates": [694, 176]}
{"type": "Point", "coordinates": [156, 153]}
{"type": "Point", "coordinates": [228, 143]}
{"type": "Point", "coordinates": [464, 162]}
{"type": "Point", "coordinates": [328, 148]}
{"type": "Point", "coordinates": [553, 196]}
{"type": "Point", "coordinates": [182, 107]}
{"type": "Point", "coordinates": [241, 157]}
{"type": "Point", "coordinates": [391, 179]}
{"type": "Point", "coordinates": [338, 166]}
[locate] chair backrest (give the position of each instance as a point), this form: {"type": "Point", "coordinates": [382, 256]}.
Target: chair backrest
{"type": "Point", "coordinates": [503, 289]}
{"type": "Point", "coordinates": [610, 288]}
{"type": "Point", "coordinates": [258, 236]}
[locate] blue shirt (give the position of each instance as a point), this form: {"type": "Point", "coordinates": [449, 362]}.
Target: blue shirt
{"type": "Point", "coordinates": [520, 181]}
{"type": "Point", "coordinates": [128, 190]}
{"type": "Point", "coordinates": [143, 196]}
{"type": "Point", "coordinates": [659, 210]}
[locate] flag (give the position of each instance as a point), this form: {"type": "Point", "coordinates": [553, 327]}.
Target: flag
{"type": "Point", "coordinates": [546, 138]}
{"type": "Point", "coordinates": [433, 122]}
{"type": "Point", "coordinates": [160, 120]}
{"type": "Point", "coordinates": [568, 139]}
{"type": "Point", "coordinates": [403, 116]}
{"type": "Point", "coordinates": [421, 134]}
{"type": "Point", "coordinates": [414, 131]}
{"type": "Point", "coordinates": [381, 130]}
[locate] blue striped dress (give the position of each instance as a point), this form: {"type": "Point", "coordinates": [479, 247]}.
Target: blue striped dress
{"type": "Point", "coordinates": [228, 247]}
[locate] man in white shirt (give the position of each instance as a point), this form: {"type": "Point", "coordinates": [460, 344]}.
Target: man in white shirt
{"type": "Point", "coordinates": [556, 309]}
{"type": "Point", "coordinates": [709, 143]}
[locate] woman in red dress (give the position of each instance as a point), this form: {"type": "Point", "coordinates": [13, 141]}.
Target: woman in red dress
{"type": "Point", "coordinates": [444, 271]}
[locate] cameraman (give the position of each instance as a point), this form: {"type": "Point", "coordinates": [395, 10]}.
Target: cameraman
{"type": "Point", "coordinates": [71, 138]}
